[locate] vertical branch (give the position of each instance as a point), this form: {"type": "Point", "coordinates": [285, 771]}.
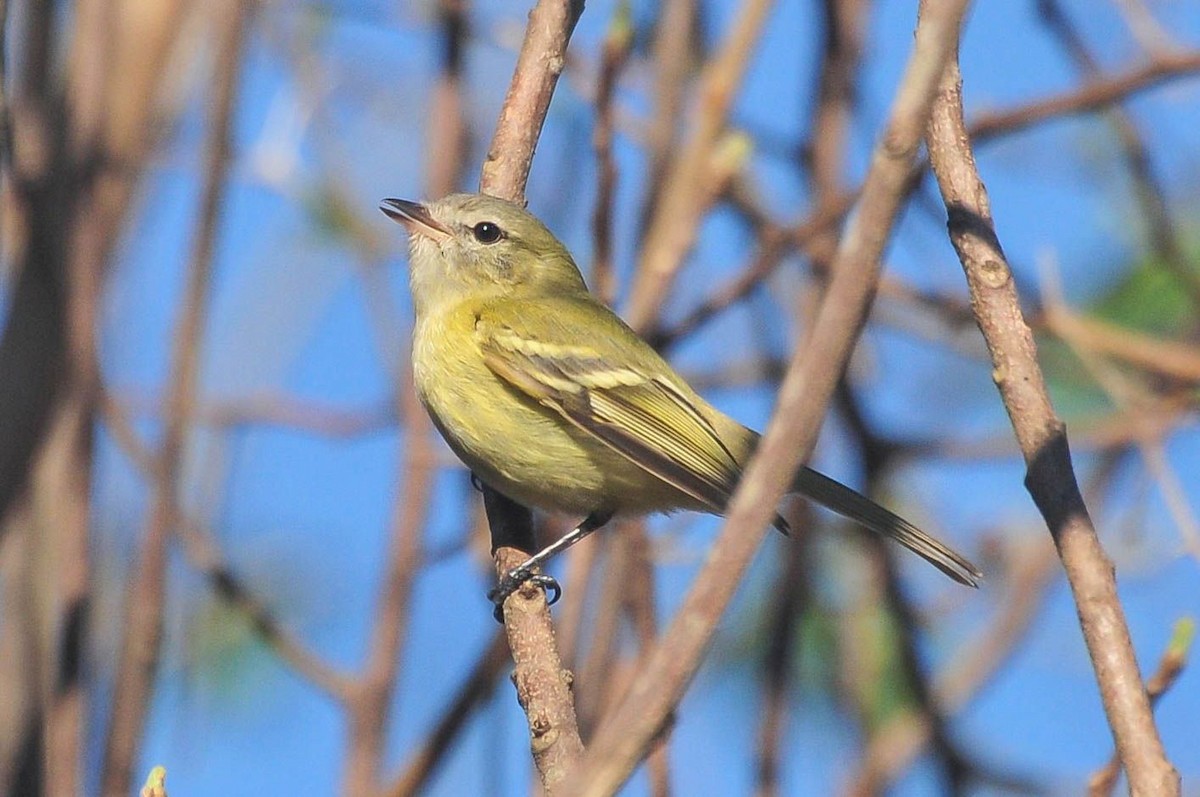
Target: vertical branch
{"type": "Point", "coordinates": [787, 607]}
{"type": "Point", "coordinates": [806, 390]}
{"type": "Point", "coordinates": [143, 626]}
{"type": "Point", "coordinates": [1173, 660]}
{"type": "Point", "coordinates": [447, 140]}
{"type": "Point", "coordinates": [370, 697]}
{"type": "Point", "coordinates": [612, 61]}
{"type": "Point", "coordinates": [1050, 477]}
{"type": "Point", "coordinates": [543, 686]}
{"type": "Point", "coordinates": [369, 700]}
{"type": "Point", "coordinates": [426, 755]}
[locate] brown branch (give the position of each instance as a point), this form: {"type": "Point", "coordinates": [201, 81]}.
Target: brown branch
{"type": "Point", "coordinates": [674, 33]}
{"type": "Point", "coordinates": [1179, 362]}
{"type": "Point", "coordinates": [778, 241]}
{"type": "Point", "coordinates": [447, 142]}
{"type": "Point", "coordinates": [370, 699]}
{"type": "Point", "coordinates": [807, 388]}
{"type": "Point", "coordinates": [1042, 438]}
{"type": "Point", "coordinates": [543, 685]}
{"type": "Point", "coordinates": [596, 681]}
{"type": "Point", "coordinates": [269, 409]}
{"type": "Point", "coordinates": [840, 58]}
{"type": "Point", "coordinates": [1027, 577]}
{"type": "Point", "coordinates": [790, 599]}
{"type": "Point", "coordinates": [582, 564]}
{"type": "Point", "coordinates": [1173, 660]}
{"type": "Point", "coordinates": [640, 608]}
{"type": "Point", "coordinates": [885, 597]}
{"type": "Point", "coordinates": [143, 631]}
{"type": "Point", "coordinates": [1030, 572]}
{"type": "Point", "coordinates": [21, 738]}
{"type": "Point", "coordinates": [540, 62]}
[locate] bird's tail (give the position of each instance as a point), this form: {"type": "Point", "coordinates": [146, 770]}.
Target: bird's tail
{"type": "Point", "coordinates": [849, 503]}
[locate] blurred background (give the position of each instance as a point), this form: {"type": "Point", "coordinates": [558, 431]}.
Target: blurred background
{"type": "Point", "coordinates": [233, 546]}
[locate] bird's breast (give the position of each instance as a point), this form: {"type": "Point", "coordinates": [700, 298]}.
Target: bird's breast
{"type": "Point", "coordinates": [526, 450]}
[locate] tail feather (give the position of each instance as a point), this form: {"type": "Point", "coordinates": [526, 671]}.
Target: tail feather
{"type": "Point", "coordinates": [839, 498]}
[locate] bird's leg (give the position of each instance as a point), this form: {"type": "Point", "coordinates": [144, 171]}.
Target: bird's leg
{"type": "Point", "coordinates": [523, 572]}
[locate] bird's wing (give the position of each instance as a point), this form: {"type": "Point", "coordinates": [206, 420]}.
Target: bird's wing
{"type": "Point", "coordinates": [643, 417]}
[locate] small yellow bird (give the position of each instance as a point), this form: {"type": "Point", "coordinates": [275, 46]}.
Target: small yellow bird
{"type": "Point", "coordinates": [552, 400]}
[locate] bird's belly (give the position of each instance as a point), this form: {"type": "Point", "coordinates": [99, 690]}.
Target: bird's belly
{"type": "Point", "coordinates": [525, 450]}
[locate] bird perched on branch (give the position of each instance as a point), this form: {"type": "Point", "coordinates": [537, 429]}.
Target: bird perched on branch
{"type": "Point", "coordinates": [552, 400]}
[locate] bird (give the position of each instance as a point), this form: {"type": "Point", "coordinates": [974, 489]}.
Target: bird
{"type": "Point", "coordinates": [551, 399]}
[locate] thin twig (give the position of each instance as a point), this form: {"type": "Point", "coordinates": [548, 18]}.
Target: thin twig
{"type": "Point", "coordinates": [270, 409]}
{"type": "Point", "coordinates": [1028, 576]}
{"type": "Point", "coordinates": [424, 759]}
{"type": "Point", "coordinates": [1042, 437]}
{"type": "Point", "coordinates": [674, 34]}
{"type": "Point", "coordinates": [1094, 96]}
{"type": "Point", "coordinates": [448, 138]}
{"type": "Point", "coordinates": [371, 696]}
{"type": "Point", "coordinates": [370, 700]}
{"type": "Point", "coordinates": [1164, 240]}
{"type": "Point", "coordinates": [203, 554]}
{"type": "Point", "coordinates": [790, 596]}
{"type": "Point", "coordinates": [1173, 660]}
{"type": "Point", "coordinates": [777, 241]}
{"type": "Point", "coordinates": [543, 685]}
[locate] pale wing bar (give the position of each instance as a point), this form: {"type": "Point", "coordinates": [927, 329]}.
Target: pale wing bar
{"type": "Point", "coordinates": [624, 409]}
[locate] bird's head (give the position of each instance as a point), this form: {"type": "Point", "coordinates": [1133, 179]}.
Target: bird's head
{"type": "Point", "coordinates": [472, 246]}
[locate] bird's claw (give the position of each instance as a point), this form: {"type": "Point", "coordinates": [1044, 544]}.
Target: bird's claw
{"type": "Point", "coordinates": [512, 581]}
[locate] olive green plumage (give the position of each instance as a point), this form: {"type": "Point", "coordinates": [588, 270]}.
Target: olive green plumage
{"type": "Point", "coordinates": [549, 397]}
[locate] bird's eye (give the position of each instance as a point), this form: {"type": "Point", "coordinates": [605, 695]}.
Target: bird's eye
{"type": "Point", "coordinates": [487, 233]}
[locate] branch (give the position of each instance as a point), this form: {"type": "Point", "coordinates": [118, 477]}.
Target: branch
{"type": "Point", "coordinates": [1096, 95]}
{"type": "Point", "coordinates": [540, 62]}
{"type": "Point", "coordinates": [370, 697]}
{"type": "Point", "coordinates": [617, 44]}
{"type": "Point", "coordinates": [543, 685]}
{"type": "Point", "coordinates": [1042, 437]}
{"type": "Point", "coordinates": [807, 388]}
{"type": "Point", "coordinates": [143, 630]}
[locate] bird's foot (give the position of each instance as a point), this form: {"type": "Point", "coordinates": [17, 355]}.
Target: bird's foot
{"type": "Point", "coordinates": [513, 580]}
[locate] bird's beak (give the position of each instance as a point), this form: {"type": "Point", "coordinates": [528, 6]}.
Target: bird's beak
{"type": "Point", "coordinates": [415, 217]}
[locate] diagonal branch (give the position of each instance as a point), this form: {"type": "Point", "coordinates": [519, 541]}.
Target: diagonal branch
{"type": "Point", "coordinates": [805, 393]}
